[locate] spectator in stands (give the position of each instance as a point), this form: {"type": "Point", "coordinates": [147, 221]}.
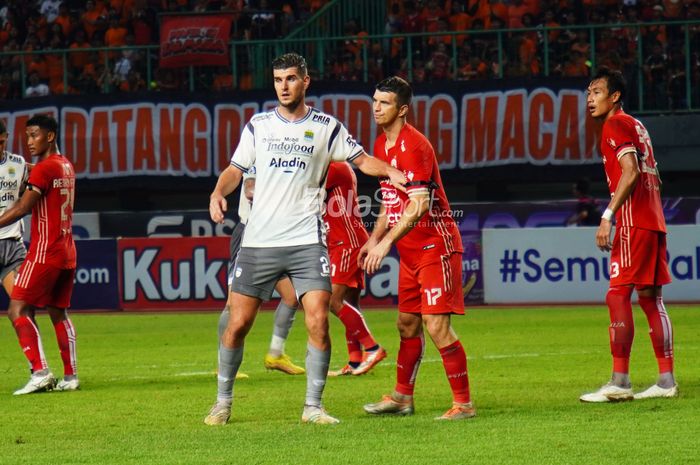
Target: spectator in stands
{"type": "Point", "coordinates": [49, 9]}
{"type": "Point", "coordinates": [93, 19]}
{"type": "Point", "coordinates": [655, 71]}
{"type": "Point", "coordinates": [36, 88]}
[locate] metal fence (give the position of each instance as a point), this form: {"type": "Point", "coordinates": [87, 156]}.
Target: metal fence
{"type": "Point", "coordinates": [660, 80]}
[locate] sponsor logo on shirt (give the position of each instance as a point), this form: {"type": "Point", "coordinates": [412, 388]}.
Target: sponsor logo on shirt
{"type": "Point", "coordinates": [323, 119]}
{"type": "Point", "coordinates": [5, 184]}
{"type": "Point", "coordinates": [11, 171]}
{"type": "Point", "coordinates": [7, 197]}
{"type": "Point", "coordinates": [308, 135]}
{"type": "Point", "coordinates": [295, 162]}
{"type": "Point", "coordinates": [289, 147]}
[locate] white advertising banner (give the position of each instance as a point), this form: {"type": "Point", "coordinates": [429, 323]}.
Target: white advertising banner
{"type": "Point", "coordinates": [563, 265]}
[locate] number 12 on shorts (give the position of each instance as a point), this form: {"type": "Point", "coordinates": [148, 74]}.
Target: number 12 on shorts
{"type": "Point", "coordinates": [432, 295]}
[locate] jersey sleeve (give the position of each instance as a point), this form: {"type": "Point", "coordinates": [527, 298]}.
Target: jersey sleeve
{"type": "Point", "coordinates": [418, 169]}
{"type": "Point", "coordinates": [341, 145]}
{"type": "Point", "coordinates": [620, 136]}
{"type": "Point", "coordinates": [244, 156]}
{"type": "Point", "coordinates": [39, 179]}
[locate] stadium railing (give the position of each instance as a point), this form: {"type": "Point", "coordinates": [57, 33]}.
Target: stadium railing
{"type": "Point", "coordinates": [366, 58]}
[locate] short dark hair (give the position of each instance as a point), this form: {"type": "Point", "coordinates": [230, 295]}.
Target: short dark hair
{"type": "Point", "coordinates": [398, 86]}
{"type": "Point", "coordinates": [3, 129]}
{"type": "Point", "coordinates": [615, 80]}
{"type": "Point", "coordinates": [290, 60]}
{"type": "Point", "coordinates": [45, 122]}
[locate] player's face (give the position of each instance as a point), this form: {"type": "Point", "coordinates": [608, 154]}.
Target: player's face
{"type": "Point", "coordinates": [599, 101]}
{"type": "Point", "coordinates": [385, 109]}
{"type": "Point", "coordinates": [37, 140]}
{"type": "Point", "coordinates": [290, 87]}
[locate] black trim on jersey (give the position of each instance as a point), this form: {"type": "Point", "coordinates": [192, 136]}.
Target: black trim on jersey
{"type": "Point", "coordinates": [245, 170]}
{"type": "Point", "coordinates": [352, 157]}
{"type": "Point", "coordinates": [624, 144]}
{"type": "Point", "coordinates": [334, 134]}
{"type": "Point", "coordinates": [432, 185]}
{"type": "Point", "coordinates": [251, 128]}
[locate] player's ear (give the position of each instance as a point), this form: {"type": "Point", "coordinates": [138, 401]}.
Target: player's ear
{"type": "Point", "coordinates": [616, 97]}
{"type": "Point", "coordinates": [50, 136]}
{"type": "Point", "coordinates": [403, 111]}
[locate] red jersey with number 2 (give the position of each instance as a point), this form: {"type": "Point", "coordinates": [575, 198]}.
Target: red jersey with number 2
{"type": "Point", "coordinates": [436, 233]}
{"type": "Point", "coordinates": [622, 135]}
{"type": "Point", "coordinates": [342, 215]}
{"type": "Point", "coordinates": [52, 216]}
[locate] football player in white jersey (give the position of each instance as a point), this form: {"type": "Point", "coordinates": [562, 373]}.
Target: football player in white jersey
{"type": "Point", "coordinates": [291, 148]}
{"type": "Point", "coordinates": [13, 177]}
{"type": "Point", "coordinates": [276, 358]}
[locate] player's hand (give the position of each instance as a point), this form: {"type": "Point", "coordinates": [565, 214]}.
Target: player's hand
{"type": "Point", "coordinates": [397, 178]}
{"type": "Point", "coordinates": [602, 236]}
{"type": "Point", "coordinates": [373, 260]}
{"type": "Point", "coordinates": [217, 207]}
{"type": "Point", "coordinates": [364, 250]}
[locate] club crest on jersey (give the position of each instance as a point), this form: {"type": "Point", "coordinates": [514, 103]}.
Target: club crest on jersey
{"type": "Point", "coordinates": [403, 146]}
{"type": "Point", "coordinates": [308, 135]}
{"type": "Point", "coordinates": [11, 171]}
{"type": "Point", "coordinates": [410, 175]}
{"type": "Point", "coordinates": [611, 142]}
{"type": "Point", "coordinates": [393, 162]}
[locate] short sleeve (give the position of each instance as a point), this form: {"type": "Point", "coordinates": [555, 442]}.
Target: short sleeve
{"type": "Point", "coordinates": [39, 179]}
{"type": "Point", "coordinates": [341, 145]}
{"type": "Point", "coordinates": [620, 136]}
{"type": "Point", "coordinates": [250, 174]}
{"type": "Point", "coordinates": [418, 168]}
{"type": "Point", "coordinates": [244, 156]}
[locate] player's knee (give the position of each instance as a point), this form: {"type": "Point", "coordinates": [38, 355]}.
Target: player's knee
{"type": "Point", "coordinates": [316, 322]}
{"type": "Point", "coordinates": [618, 296]}
{"type": "Point", "coordinates": [336, 303]}
{"type": "Point", "coordinates": [438, 328]}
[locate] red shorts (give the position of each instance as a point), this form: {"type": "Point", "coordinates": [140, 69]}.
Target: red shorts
{"type": "Point", "coordinates": [344, 269]}
{"type": "Point", "coordinates": [42, 285]}
{"type": "Point", "coordinates": [639, 257]}
{"type": "Point", "coordinates": [434, 288]}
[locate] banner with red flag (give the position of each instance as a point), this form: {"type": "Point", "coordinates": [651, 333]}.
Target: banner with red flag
{"type": "Point", "coordinates": [194, 40]}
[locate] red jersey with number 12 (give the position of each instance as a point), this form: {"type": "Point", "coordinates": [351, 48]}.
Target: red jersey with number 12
{"type": "Point", "coordinates": [622, 134]}
{"type": "Point", "coordinates": [436, 233]}
{"type": "Point", "coordinates": [52, 216]}
{"type": "Point", "coordinates": [342, 215]}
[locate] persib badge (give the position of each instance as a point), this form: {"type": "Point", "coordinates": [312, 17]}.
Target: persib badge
{"type": "Point", "coordinates": [11, 171]}
{"type": "Point", "coordinates": [309, 135]}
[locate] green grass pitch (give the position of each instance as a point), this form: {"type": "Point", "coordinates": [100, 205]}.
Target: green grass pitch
{"type": "Point", "coordinates": [148, 381]}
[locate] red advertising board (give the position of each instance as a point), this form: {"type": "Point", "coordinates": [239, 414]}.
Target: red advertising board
{"type": "Point", "coordinates": [194, 40]}
{"type": "Point", "coordinates": [173, 273]}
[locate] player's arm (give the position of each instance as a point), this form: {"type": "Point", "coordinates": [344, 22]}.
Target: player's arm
{"type": "Point", "coordinates": [418, 204]}
{"type": "Point", "coordinates": [628, 179]}
{"type": "Point", "coordinates": [378, 168]}
{"type": "Point", "coordinates": [228, 181]}
{"type": "Point", "coordinates": [381, 226]}
{"type": "Point", "coordinates": [20, 208]}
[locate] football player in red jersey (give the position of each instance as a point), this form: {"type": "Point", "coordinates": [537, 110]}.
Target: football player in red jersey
{"type": "Point", "coordinates": [419, 222]}
{"type": "Point", "coordinates": [45, 279]}
{"type": "Point", "coordinates": [346, 235]}
{"type": "Point", "coordinates": [638, 258]}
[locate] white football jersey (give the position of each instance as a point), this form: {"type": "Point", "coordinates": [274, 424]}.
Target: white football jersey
{"type": "Point", "coordinates": [291, 163]}
{"type": "Point", "coordinates": [13, 174]}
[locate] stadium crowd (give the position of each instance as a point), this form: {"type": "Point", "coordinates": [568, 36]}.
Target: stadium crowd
{"type": "Point", "coordinates": [70, 24]}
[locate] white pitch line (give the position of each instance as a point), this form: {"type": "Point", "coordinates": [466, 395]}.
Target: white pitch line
{"type": "Point", "coordinates": [212, 372]}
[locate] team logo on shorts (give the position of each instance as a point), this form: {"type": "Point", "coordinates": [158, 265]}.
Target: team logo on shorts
{"type": "Point", "coordinates": [309, 135]}
{"type": "Point", "coordinates": [239, 272]}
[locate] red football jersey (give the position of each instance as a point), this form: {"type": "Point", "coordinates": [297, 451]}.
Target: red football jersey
{"type": "Point", "coordinates": [342, 215]}
{"type": "Point", "coordinates": [622, 134]}
{"type": "Point", "coordinates": [52, 216]}
{"type": "Point", "coordinates": [436, 232]}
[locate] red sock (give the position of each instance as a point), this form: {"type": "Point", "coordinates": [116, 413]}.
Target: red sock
{"type": "Point", "coordinates": [65, 335]}
{"type": "Point", "coordinates": [407, 363]}
{"type": "Point", "coordinates": [355, 326]}
{"type": "Point", "coordinates": [660, 331]}
{"type": "Point", "coordinates": [621, 326]}
{"type": "Point", "coordinates": [354, 349]}
{"type": "Point", "coordinates": [455, 362]}
{"type": "Point", "coordinates": [30, 342]}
